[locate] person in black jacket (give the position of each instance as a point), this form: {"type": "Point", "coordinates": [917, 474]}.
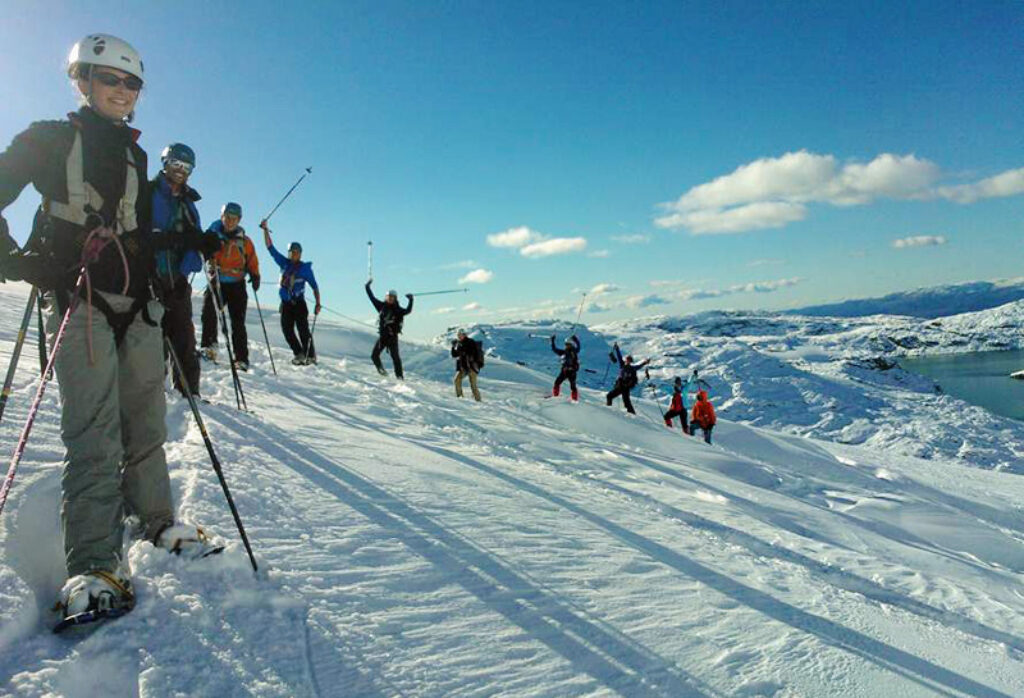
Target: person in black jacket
{"type": "Point", "coordinates": [389, 326]}
{"type": "Point", "coordinates": [570, 366]}
{"type": "Point", "coordinates": [91, 251]}
{"type": "Point", "coordinates": [469, 359]}
{"type": "Point", "coordinates": [626, 381]}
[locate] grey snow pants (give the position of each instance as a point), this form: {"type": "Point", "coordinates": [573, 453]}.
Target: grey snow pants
{"type": "Point", "coordinates": [112, 425]}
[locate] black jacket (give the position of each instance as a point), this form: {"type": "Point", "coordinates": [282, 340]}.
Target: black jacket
{"type": "Point", "coordinates": [570, 356]}
{"type": "Point", "coordinates": [39, 156]}
{"type": "Point", "coordinates": [627, 372]}
{"type": "Point", "coordinates": [467, 354]}
{"type": "Point", "coordinates": [391, 315]}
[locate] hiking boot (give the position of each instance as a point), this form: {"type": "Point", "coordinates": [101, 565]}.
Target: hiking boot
{"type": "Point", "coordinates": [242, 365]}
{"type": "Point", "coordinates": [299, 361]}
{"type": "Point", "coordinates": [209, 354]}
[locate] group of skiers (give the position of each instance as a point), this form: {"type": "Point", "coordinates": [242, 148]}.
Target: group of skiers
{"type": "Point", "coordinates": [114, 254]}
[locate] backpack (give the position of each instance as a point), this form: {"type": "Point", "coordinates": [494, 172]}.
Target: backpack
{"type": "Point", "coordinates": [479, 354]}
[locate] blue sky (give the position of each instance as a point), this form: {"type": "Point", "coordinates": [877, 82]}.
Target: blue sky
{"type": "Point", "coordinates": [686, 155]}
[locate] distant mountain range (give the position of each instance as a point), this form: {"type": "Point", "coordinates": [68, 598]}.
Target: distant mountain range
{"type": "Point", "coordinates": [933, 302]}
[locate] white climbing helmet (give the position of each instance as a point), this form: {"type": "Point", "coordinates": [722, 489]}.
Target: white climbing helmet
{"type": "Point", "coordinates": [105, 50]}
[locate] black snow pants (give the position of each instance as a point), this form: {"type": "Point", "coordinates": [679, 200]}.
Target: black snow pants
{"type": "Point", "coordinates": [622, 390]}
{"type": "Point", "coordinates": [676, 413]}
{"type": "Point", "coordinates": [295, 316]}
{"type": "Point", "coordinates": [177, 326]}
{"type": "Point", "coordinates": [236, 300]}
{"type": "Point", "coordinates": [562, 376]}
{"type": "Point", "coordinates": [389, 341]}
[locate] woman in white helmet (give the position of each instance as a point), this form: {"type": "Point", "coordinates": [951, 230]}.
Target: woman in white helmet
{"type": "Point", "coordinates": [90, 250]}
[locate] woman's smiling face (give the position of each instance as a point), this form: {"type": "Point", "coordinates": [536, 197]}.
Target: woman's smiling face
{"type": "Point", "coordinates": [114, 102]}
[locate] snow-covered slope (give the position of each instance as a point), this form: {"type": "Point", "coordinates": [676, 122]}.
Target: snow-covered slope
{"type": "Point", "coordinates": [418, 545]}
{"type": "Point", "coordinates": [931, 302]}
{"type": "Point", "coordinates": [829, 378]}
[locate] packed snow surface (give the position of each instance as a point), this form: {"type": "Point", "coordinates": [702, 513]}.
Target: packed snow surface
{"type": "Point", "coordinates": [413, 544]}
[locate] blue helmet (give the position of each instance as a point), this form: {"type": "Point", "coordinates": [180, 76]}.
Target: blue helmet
{"type": "Point", "coordinates": [231, 209]}
{"type": "Point", "coordinates": [179, 151]}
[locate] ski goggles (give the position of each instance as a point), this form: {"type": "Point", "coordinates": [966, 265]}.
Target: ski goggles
{"type": "Point", "coordinates": [130, 82]}
{"type": "Point", "coordinates": [175, 164]}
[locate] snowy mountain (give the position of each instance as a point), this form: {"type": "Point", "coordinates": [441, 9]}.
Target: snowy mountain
{"type": "Point", "coordinates": [933, 302]}
{"type": "Point", "coordinates": [413, 544]}
{"type": "Point", "coordinates": [837, 379]}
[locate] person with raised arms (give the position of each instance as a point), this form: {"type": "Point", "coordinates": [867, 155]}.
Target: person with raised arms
{"type": "Point", "coordinates": [295, 274]}
{"type": "Point", "coordinates": [390, 318]}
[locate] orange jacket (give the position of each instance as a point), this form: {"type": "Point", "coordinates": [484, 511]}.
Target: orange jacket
{"type": "Point", "coordinates": [235, 257]}
{"type": "Point", "coordinates": [703, 412]}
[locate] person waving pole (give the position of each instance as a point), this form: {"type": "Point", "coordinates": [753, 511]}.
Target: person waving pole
{"type": "Point", "coordinates": [391, 317]}
{"type": "Point", "coordinates": [295, 274]}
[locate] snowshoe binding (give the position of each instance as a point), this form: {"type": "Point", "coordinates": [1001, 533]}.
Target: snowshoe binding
{"type": "Point", "coordinates": [93, 597]}
{"type": "Point", "coordinates": [190, 542]}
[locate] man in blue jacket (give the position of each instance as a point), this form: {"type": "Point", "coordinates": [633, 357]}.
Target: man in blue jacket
{"type": "Point", "coordinates": [295, 274]}
{"type": "Point", "coordinates": [180, 245]}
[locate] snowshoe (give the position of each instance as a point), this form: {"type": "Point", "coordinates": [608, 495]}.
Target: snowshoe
{"type": "Point", "coordinates": [381, 371]}
{"type": "Point", "coordinates": [209, 354]}
{"type": "Point", "coordinates": [242, 365]}
{"type": "Point", "coordinates": [92, 597]}
{"type": "Point", "coordinates": [299, 361]}
{"type": "Point", "coordinates": [311, 361]}
{"type": "Point", "coordinates": [190, 542]}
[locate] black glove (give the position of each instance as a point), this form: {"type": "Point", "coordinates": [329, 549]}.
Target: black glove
{"type": "Point", "coordinates": [409, 296]}
{"type": "Point", "coordinates": [552, 338]}
{"type": "Point", "coordinates": [209, 244]}
{"type": "Point", "coordinates": [255, 280]}
{"type": "Point", "coordinates": [32, 268]}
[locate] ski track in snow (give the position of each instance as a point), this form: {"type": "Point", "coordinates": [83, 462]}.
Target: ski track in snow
{"type": "Point", "coordinates": [412, 544]}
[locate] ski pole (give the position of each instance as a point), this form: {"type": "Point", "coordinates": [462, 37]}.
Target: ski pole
{"type": "Point", "coordinates": [16, 354]}
{"type": "Point", "coordinates": [219, 301]}
{"type": "Point", "coordinates": [369, 260]}
{"type": "Point", "coordinates": [42, 334]}
{"type": "Point", "coordinates": [259, 311]}
{"type": "Point", "coordinates": [312, 331]}
{"type": "Point", "coordinates": [19, 450]}
{"type": "Point", "coordinates": [578, 315]}
{"type": "Point", "coordinates": [309, 170]}
{"type": "Point", "coordinates": [209, 448]}
{"type": "Point", "coordinates": [438, 293]}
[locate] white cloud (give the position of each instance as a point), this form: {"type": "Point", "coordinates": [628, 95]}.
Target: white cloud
{"type": "Point", "coordinates": [464, 264]}
{"type": "Point", "coordinates": [919, 241]}
{"type": "Point", "coordinates": [472, 306]}
{"type": "Point", "coordinates": [1009, 183]}
{"type": "Point", "coordinates": [756, 216]}
{"type": "Point", "coordinates": [631, 239]}
{"type": "Point", "coordinates": [514, 237]}
{"type": "Point", "coordinates": [602, 289]}
{"type": "Point", "coordinates": [773, 192]}
{"type": "Point", "coordinates": [765, 262]}
{"type": "Point", "coordinates": [477, 276]}
{"type": "Point", "coordinates": [443, 311]}
{"type": "Point", "coordinates": [530, 243]}
{"type": "Point", "coordinates": [554, 246]}
{"type": "Point", "coordinates": [599, 254]}
{"type": "Point", "coordinates": [645, 301]}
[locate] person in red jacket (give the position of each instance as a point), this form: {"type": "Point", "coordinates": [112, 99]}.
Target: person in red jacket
{"type": "Point", "coordinates": [703, 416]}
{"type": "Point", "coordinates": [676, 409]}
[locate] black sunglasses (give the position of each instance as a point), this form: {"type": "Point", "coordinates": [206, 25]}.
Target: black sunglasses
{"type": "Point", "coordinates": [130, 82]}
